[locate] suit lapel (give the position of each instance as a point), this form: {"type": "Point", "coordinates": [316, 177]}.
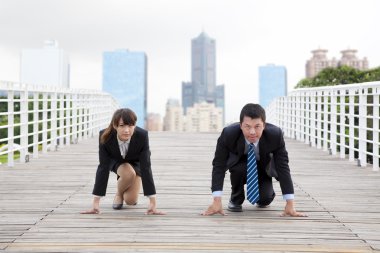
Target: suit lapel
{"type": "Point", "coordinates": [241, 145]}
{"type": "Point", "coordinates": [263, 146]}
{"type": "Point", "coordinates": [132, 144]}
{"type": "Point", "coordinates": [113, 144]}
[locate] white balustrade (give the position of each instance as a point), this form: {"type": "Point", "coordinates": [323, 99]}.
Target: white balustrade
{"type": "Point", "coordinates": [342, 119]}
{"type": "Point", "coordinates": [52, 117]}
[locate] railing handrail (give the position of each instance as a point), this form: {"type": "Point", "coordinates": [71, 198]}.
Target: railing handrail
{"type": "Point", "coordinates": [61, 116]}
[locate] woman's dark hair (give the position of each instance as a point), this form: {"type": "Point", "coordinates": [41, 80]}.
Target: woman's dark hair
{"type": "Point", "coordinates": [127, 115]}
{"type": "Point", "coordinates": [253, 111]}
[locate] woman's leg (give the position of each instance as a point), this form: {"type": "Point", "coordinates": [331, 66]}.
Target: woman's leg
{"type": "Point", "coordinates": [132, 193]}
{"type": "Point", "coordinates": [127, 176]}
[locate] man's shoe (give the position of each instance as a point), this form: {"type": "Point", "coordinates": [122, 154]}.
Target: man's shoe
{"type": "Point", "coordinates": [234, 207]}
{"type": "Point", "coordinates": [117, 206]}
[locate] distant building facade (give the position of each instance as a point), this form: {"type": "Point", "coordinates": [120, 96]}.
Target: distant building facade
{"type": "Point", "coordinates": [202, 87]}
{"type": "Point", "coordinates": [125, 78]}
{"type": "Point", "coordinates": [349, 59]}
{"type": "Point", "coordinates": [203, 117]}
{"type": "Point", "coordinates": [45, 66]}
{"type": "Point", "coordinates": [154, 122]}
{"type": "Point", "coordinates": [319, 61]}
{"type": "Point", "coordinates": [272, 83]}
{"type": "Point", "coordinates": [173, 119]}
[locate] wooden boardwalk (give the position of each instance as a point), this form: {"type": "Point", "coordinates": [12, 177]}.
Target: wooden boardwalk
{"type": "Point", "coordinates": [40, 203]}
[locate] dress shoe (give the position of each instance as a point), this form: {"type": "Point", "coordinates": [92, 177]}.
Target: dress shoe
{"type": "Point", "coordinates": [117, 206]}
{"type": "Point", "coordinates": [234, 207]}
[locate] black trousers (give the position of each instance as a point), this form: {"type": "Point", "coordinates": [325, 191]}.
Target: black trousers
{"type": "Point", "coordinates": [238, 176]}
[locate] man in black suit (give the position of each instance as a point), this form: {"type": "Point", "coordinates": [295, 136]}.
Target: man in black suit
{"type": "Point", "coordinates": [124, 150]}
{"type": "Point", "coordinates": [231, 153]}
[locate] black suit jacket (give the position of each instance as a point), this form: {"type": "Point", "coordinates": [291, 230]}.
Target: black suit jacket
{"type": "Point", "coordinates": [230, 150]}
{"type": "Point", "coordinates": [138, 155]}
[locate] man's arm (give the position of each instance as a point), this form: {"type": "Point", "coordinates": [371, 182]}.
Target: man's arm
{"type": "Point", "coordinates": [219, 164]}
{"type": "Point", "coordinates": [218, 173]}
{"type": "Point", "coordinates": [281, 161]}
{"type": "Point", "coordinates": [285, 179]}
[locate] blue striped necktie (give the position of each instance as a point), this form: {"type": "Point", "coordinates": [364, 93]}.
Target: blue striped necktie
{"type": "Point", "coordinates": [252, 177]}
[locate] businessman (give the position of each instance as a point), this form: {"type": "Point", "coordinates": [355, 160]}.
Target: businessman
{"type": "Point", "coordinates": [246, 149]}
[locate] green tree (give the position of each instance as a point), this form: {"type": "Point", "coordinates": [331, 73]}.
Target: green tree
{"type": "Point", "coordinates": [340, 75]}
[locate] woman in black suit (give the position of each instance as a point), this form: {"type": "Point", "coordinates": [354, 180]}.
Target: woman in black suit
{"type": "Point", "coordinates": [124, 150]}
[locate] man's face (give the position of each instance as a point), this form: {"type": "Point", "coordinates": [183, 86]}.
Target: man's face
{"type": "Point", "coordinates": [252, 128]}
{"type": "Point", "coordinates": [124, 132]}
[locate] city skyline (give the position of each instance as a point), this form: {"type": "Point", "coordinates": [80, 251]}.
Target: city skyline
{"type": "Point", "coordinates": [249, 33]}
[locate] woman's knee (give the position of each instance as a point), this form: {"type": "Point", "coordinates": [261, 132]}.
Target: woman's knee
{"type": "Point", "coordinates": [129, 199]}
{"type": "Point", "coordinates": [125, 170]}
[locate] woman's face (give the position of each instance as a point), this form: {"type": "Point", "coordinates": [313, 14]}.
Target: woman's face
{"type": "Point", "coordinates": [124, 131]}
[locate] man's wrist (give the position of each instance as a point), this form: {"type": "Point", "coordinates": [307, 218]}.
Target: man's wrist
{"type": "Point", "coordinates": [217, 194]}
{"type": "Point", "coordinates": [217, 199]}
{"type": "Point", "coordinates": [288, 196]}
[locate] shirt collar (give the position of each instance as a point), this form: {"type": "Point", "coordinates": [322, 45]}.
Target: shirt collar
{"type": "Point", "coordinates": [255, 143]}
{"type": "Point", "coordinates": [120, 142]}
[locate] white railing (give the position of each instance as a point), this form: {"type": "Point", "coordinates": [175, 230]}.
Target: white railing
{"type": "Point", "coordinates": [342, 119]}
{"type": "Point", "coordinates": [36, 118]}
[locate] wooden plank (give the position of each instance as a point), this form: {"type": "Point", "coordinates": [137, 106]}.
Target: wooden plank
{"type": "Point", "coordinates": [40, 203]}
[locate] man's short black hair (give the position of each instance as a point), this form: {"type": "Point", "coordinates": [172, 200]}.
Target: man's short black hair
{"type": "Point", "coordinates": [253, 111]}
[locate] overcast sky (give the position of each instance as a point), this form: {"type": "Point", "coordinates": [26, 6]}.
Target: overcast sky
{"type": "Point", "coordinates": [248, 34]}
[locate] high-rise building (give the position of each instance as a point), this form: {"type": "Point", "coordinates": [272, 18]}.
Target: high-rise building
{"type": "Point", "coordinates": [319, 61]}
{"type": "Point", "coordinates": [203, 67]}
{"type": "Point", "coordinates": [125, 78]}
{"type": "Point", "coordinates": [272, 83]}
{"type": "Point", "coordinates": [45, 66]}
{"type": "Point", "coordinates": [202, 87]}
{"type": "Point", "coordinates": [349, 59]}
{"type": "Point", "coordinates": [173, 119]}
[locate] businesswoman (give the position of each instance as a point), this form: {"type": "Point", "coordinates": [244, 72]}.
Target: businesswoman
{"type": "Point", "coordinates": [124, 150]}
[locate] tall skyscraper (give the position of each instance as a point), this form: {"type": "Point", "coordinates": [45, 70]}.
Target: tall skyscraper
{"type": "Point", "coordinates": [45, 66]}
{"type": "Point", "coordinates": [202, 87]}
{"type": "Point", "coordinates": [272, 83]}
{"type": "Point", "coordinates": [319, 61]}
{"type": "Point", "coordinates": [125, 78]}
{"type": "Point", "coordinates": [203, 67]}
